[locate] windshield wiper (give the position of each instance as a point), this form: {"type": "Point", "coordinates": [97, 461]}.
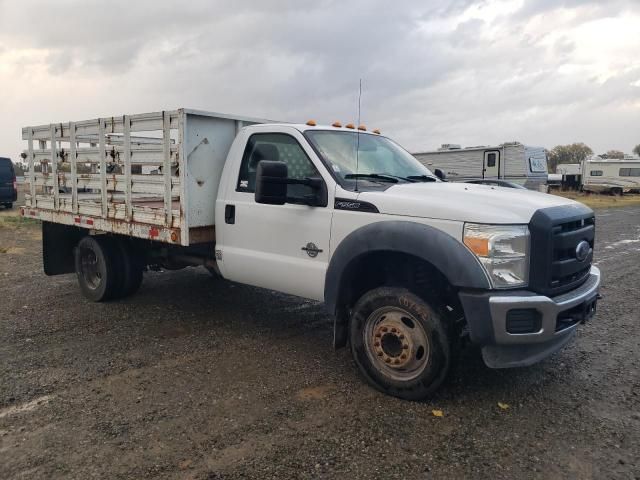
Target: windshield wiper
{"type": "Point", "coordinates": [422, 178]}
{"type": "Point", "coordinates": [377, 176]}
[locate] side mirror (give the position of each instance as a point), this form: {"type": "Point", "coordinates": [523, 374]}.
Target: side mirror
{"type": "Point", "coordinates": [440, 174]}
{"type": "Point", "coordinates": [271, 186]}
{"type": "Point", "coordinates": [271, 182]}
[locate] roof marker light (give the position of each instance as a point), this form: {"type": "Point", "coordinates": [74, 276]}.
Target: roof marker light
{"type": "Point", "coordinates": [376, 131]}
{"type": "Point", "coordinates": [349, 125]}
{"type": "Point", "coordinates": [362, 127]}
{"type": "Point", "coordinates": [336, 124]}
{"type": "Point", "coordinates": [311, 123]}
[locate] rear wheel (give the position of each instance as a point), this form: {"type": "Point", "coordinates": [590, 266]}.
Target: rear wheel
{"type": "Point", "coordinates": [95, 268]}
{"type": "Point", "coordinates": [400, 343]}
{"type": "Point", "coordinates": [130, 268]}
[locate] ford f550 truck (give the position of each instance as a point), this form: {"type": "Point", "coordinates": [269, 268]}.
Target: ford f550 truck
{"type": "Point", "coordinates": [409, 267]}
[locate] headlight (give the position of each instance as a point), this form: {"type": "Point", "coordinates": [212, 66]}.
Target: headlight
{"type": "Point", "coordinates": [503, 250]}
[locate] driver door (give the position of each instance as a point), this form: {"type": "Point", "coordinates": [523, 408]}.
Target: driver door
{"type": "Point", "coordinates": [280, 247]}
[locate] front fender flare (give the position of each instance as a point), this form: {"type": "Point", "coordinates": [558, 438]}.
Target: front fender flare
{"type": "Point", "coordinates": [452, 258]}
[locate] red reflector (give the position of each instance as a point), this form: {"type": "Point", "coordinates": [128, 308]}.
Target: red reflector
{"type": "Point", "coordinates": [89, 222]}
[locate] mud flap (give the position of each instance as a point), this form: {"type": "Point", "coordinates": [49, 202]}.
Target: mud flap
{"type": "Point", "coordinates": [58, 242]}
{"type": "Point", "coordinates": [340, 329]}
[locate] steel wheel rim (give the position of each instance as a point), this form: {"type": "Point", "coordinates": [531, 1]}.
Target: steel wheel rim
{"type": "Point", "coordinates": [89, 268]}
{"type": "Point", "coordinates": [397, 344]}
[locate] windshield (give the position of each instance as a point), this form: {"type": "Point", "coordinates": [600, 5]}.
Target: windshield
{"type": "Point", "coordinates": [379, 160]}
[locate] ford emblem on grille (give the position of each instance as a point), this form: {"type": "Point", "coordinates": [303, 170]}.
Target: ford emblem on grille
{"type": "Point", "coordinates": [582, 250]}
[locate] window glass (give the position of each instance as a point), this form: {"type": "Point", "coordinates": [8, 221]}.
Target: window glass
{"type": "Point", "coordinates": [278, 147]}
{"type": "Point", "coordinates": [538, 164]}
{"type": "Point", "coordinates": [596, 173]}
{"type": "Point", "coordinates": [348, 153]}
{"type": "Point", "coordinates": [5, 169]}
{"type": "Point", "coordinates": [491, 159]}
{"type": "Point", "coordinates": [630, 172]}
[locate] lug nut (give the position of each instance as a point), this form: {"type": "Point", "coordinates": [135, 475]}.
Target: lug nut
{"type": "Point", "coordinates": [380, 354]}
{"type": "Point", "coordinates": [396, 361]}
{"type": "Point", "coordinates": [405, 347]}
{"type": "Point", "coordinates": [401, 337]}
{"type": "Point", "coordinates": [394, 329]}
{"type": "Point", "coordinates": [377, 344]}
{"type": "Point", "coordinates": [403, 356]}
{"type": "Point", "coordinates": [385, 329]}
{"type": "Point", "coordinates": [387, 360]}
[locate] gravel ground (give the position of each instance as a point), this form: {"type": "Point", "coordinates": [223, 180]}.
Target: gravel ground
{"type": "Point", "coordinates": [200, 378]}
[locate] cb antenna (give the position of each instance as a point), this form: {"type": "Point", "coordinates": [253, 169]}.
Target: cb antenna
{"type": "Point", "coordinates": [358, 132]}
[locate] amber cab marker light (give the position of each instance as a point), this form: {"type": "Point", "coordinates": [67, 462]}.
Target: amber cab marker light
{"type": "Point", "coordinates": [376, 131]}
{"type": "Point", "coordinates": [362, 127]}
{"type": "Point", "coordinates": [336, 124]}
{"type": "Point", "coordinates": [311, 123]}
{"type": "Point", "coordinates": [349, 125]}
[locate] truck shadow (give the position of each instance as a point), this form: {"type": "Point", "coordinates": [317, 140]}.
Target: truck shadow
{"type": "Point", "coordinates": [198, 304]}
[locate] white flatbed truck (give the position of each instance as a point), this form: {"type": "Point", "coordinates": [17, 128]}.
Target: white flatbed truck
{"type": "Point", "coordinates": [409, 267]}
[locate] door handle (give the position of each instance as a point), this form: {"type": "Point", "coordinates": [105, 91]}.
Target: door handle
{"type": "Point", "coordinates": [311, 249]}
{"type": "Point", "coordinates": [230, 214]}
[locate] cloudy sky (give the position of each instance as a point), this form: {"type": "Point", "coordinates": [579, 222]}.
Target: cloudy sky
{"type": "Point", "coordinates": [543, 72]}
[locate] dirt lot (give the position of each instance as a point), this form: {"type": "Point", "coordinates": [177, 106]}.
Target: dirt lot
{"type": "Point", "coordinates": [200, 378]}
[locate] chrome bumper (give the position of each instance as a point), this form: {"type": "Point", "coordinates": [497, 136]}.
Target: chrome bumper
{"type": "Point", "coordinates": [549, 309]}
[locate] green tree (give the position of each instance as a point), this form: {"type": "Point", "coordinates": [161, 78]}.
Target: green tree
{"type": "Point", "coordinates": [574, 153]}
{"type": "Point", "coordinates": [636, 150]}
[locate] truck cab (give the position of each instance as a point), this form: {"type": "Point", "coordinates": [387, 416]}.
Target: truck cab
{"type": "Point", "coordinates": [409, 266]}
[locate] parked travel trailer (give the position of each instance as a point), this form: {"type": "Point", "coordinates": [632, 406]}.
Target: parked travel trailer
{"type": "Point", "coordinates": [515, 162]}
{"type": "Point", "coordinates": [611, 176]}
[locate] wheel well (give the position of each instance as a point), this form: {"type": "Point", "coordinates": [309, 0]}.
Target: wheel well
{"type": "Point", "coordinates": [385, 268]}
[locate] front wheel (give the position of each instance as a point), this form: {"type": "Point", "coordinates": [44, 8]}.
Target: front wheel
{"type": "Point", "coordinates": [400, 343]}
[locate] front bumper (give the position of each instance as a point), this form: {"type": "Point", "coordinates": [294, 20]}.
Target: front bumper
{"type": "Point", "coordinates": [554, 324]}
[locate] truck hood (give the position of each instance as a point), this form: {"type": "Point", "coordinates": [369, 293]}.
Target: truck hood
{"type": "Point", "coordinates": [464, 202]}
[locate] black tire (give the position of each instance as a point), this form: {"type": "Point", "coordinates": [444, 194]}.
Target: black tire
{"type": "Point", "coordinates": [416, 339]}
{"type": "Point", "coordinates": [95, 268]}
{"type": "Point", "coordinates": [130, 268]}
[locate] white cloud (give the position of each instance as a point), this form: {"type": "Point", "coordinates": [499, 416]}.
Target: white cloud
{"type": "Point", "coordinates": [540, 71]}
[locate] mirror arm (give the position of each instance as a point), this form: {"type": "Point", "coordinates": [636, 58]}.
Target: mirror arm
{"type": "Point", "coordinates": [314, 183]}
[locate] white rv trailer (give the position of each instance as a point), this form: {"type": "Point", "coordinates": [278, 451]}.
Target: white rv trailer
{"type": "Point", "coordinates": [515, 162]}
{"type": "Point", "coordinates": [611, 176]}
